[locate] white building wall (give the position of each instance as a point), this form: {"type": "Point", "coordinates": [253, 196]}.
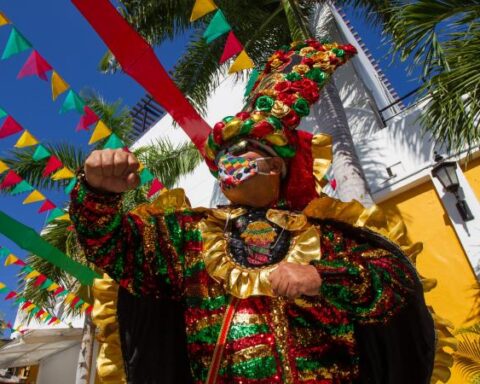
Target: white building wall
{"type": "Point", "coordinates": [59, 368]}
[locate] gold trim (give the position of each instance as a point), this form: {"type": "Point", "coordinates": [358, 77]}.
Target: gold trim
{"type": "Point", "coordinates": [239, 280]}
{"type": "Point", "coordinates": [322, 159]}
{"type": "Point", "coordinates": [110, 366]}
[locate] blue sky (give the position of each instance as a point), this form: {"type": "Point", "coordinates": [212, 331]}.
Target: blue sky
{"type": "Point", "coordinates": [67, 42]}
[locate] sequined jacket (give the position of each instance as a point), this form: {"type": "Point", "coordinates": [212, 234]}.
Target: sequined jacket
{"type": "Point", "coordinates": [167, 249]}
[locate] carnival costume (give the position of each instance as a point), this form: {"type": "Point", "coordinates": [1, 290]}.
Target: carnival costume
{"type": "Point", "coordinates": [369, 321]}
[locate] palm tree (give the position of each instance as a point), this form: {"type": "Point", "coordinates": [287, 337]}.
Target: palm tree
{"type": "Point", "coordinates": [443, 36]}
{"type": "Point", "coordinates": [263, 26]}
{"type": "Point", "coordinates": [467, 356]}
{"type": "Point", "coordinates": [166, 161]}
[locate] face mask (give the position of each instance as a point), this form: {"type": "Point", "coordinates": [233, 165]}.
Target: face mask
{"type": "Point", "coordinates": [234, 170]}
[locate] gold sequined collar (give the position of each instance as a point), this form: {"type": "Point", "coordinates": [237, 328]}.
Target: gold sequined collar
{"type": "Point", "coordinates": [241, 281]}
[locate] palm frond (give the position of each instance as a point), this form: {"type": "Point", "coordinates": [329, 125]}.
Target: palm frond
{"type": "Point", "coordinates": [467, 357]}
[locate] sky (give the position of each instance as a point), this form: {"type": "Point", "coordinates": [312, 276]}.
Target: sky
{"type": "Point", "coordinates": [61, 35]}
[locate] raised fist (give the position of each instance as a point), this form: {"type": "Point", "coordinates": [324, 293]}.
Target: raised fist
{"type": "Point", "coordinates": [293, 280]}
{"type": "Point", "coordinates": [112, 170]}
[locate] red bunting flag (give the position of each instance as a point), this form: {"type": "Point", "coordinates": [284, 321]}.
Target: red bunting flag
{"type": "Point", "coordinates": [333, 184]}
{"type": "Point", "coordinates": [156, 186]}
{"type": "Point", "coordinates": [74, 302]}
{"type": "Point", "coordinates": [89, 310]}
{"type": "Point", "coordinates": [39, 280]}
{"type": "Point", "coordinates": [10, 180]}
{"type": "Point", "coordinates": [58, 291]}
{"type": "Point", "coordinates": [52, 320]}
{"type": "Point", "coordinates": [88, 118]}
{"type": "Point", "coordinates": [39, 313]}
{"type": "Point", "coordinates": [47, 206]}
{"type": "Point", "coordinates": [9, 127]}
{"type": "Point", "coordinates": [53, 164]}
{"type": "Point", "coordinates": [11, 295]}
{"type": "Point", "coordinates": [26, 304]}
{"type": "Point", "coordinates": [19, 262]}
{"type": "Point", "coordinates": [232, 47]}
{"type": "Point", "coordinates": [35, 65]}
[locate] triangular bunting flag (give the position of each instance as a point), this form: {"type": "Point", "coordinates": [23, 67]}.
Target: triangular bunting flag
{"type": "Point", "coordinates": [52, 320]}
{"type": "Point", "coordinates": [89, 310]}
{"type": "Point", "coordinates": [20, 263]}
{"type": "Point", "coordinates": [243, 61]}
{"type": "Point", "coordinates": [32, 275]}
{"type": "Point", "coordinates": [9, 127]}
{"type": "Point", "coordinates": [41, 153]}
{"type": "Point", "coordinates": [84, 307]}
{"type": "Point", "coordinates": [35, 65]}
{"type": "Point", "coordinates": [27, 269]}
{"type": "Point", "coordinates": [100, 132]}
{"type": "Point", "coordinates": [75, 302]}
{"type": "Point", "coordinates": [30, 307]}
{"type": "Point", "coordinates": [155, 187]}
{"type": "Point", "coordinates": [70, 186]}
{"type": "Point", "coordinates": [114, 142]}
{"type": "Point", "coordinates": [47, 206]}
{"type": "Point", "coordinates": [73, 102]}
{"type": "Point", "coordinates": [34, 197]}
{"type": "Point", "coordinates": [58, 85]}
{"type": "Point", "coordinates": [21, 187]}
{"type": "Point", "coordinates": [4, 252]}
{"type": "Point", "coordinates": [11, 295]}
{"type": "Point", "coordinates": [55, 214]}
{"type": "Point", "coordinates": [88, 118]}
{"type": "Point", "coordinates": [39, 313]}
{"type": "Point", "coordinates": [3, 113]}
{"type": "Point", "coordinates": [62, 174]}
{"type": "Point", "coordinates": [11, 259]}
{"type": "Point", "coordinates": [16, 43]}
{"type": "Point", "coordinates": [333, 184]}
{"type": "Point", "coordinates": [26, 140]}
{"type": "Point", "coordinates": [52, 287]}
{"type": "Point", "coordinates": [251, 82]}
{"type": "Point", "coordinates": [2, 285]}
{"type": "Point", "coordinates": [26, 304]}
{"type": "Point", "coordinates": [232, 47]}
{"type": "Point", "coordinates": [35, 311]}
{"type": "Point", "coordinates": [201, 8]}
{"type": "Point", "coordinates": [69, 298]}
{"type": "Point", "coordinates": [64, 217]}
{"type": "Point", "coordinates": [10, 179]}
{"type": "Point", "coordinates": [52, 165]}
{"type": "Point", "coordinates": [47, 283]}
{"type": "Point", "coordinates": [145, 176]}
{"type": "Point", "coordinates": [39, 280]}
{"type": "Point", "coordinates": [3, 167]}
{"type": "Point", "coordinates": [20, 299]}
{"type": "Point", "coordinates": [217, 27]}
{"type": "Point", "coordinates": [3, 19]}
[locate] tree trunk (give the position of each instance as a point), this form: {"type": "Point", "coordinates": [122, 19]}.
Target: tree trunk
{"type": "Point", "coordinates": [331, 119]}
{"type": "Point", "coordinates": [86, 353]}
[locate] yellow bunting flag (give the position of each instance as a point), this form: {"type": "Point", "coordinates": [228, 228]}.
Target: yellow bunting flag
{"type": "Point", "coordinates": [84, 307]}
{"type": "Point", "coordinates": [26, 140]}
{"type": "Point", "coordinates": [30, 307]}
{"type": "Point", "coordinates": [10, 260]}
{"type": "Point", "coordinates": [34, 197]}
{"type": "Point", "coordinates": [3, 19]}
{"type": "Point", "coordinates": [3, 167]}
{"type": "Point", "coordinates": [32, 275]}
{"type": "Point", "coordinates": [243, 61]}
{"type": "Point", "coordinates": [53, 287]}
{"type": "Point", "coordinates": [69, 298]}
{"type": "Point", "coordinates": [100, 132]}
{"type": "Point", "coordinates": [62, 174]}
{"type": "Point", "coordinates": [58, 85]}
{"type": "Point", "coordinates": [65, 217]}
{"type": "Point", "coordinates": [201, 8]}
{"type": "Point", "coordinates": [2, 285]}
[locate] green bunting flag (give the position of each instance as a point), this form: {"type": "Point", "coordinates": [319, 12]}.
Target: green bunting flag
{"type": "Point", "coordinates": [217, 27]}
{"type": "Point", "coordinates": [46, 284]}
{"type": "Point", "coordinates": [4, 252]}
{"type": "Point", "coordinates": [251, 82]}
{"type": "Point", "coordinates": [3, 113]}
{"type": "Point", "coordinates": [70, 186]}
{"type": "Point", "coordinates": [41, 153]}
{"type": "Point", "coordinates": [28, 239]}
{"type": "Point", "coordinates": [54, 214]}
{"type": "Point", "coordinates": [16, 43]}
{"type": "Point", "coordinates": [146, 176]}
{"type": "Point", "coordinates": [4, 290]}
{"type": "Point", "coordinates": [114, 142]}
{"type": "Point", "coordinates": [73, 102]}
{"type": "Point", "coordinates": [21, 187]}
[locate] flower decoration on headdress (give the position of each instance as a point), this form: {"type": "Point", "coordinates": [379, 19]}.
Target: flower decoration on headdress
{"type": "Point", "coordinates": [282, 95]}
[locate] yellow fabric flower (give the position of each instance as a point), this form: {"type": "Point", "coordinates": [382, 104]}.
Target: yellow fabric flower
{"type": "Point", "coordinates": [301, 68]}
{"type": "Point", "coordinates": [305, 50]}
{"type": "Point", "coordinates": [280, 109]}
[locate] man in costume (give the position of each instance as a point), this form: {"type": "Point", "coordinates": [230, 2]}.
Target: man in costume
{"type": "Point", "coordinates": [284, 285]}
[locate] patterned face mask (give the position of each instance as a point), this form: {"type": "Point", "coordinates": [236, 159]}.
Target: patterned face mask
{"type": "Point", "coordinates": [234, 170]}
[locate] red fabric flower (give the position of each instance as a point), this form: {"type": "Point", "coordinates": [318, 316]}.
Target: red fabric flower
{"type": "Point", "coordinates": [307, 61]}
{"type": "Point", "coordinates": [287, 98]}
{"type": "Point", "coordinates": [308, 89]}
{"type": "Point", "coordinates": [243, 115]}
{"type": "Point", "coordinates": [315, 44]}
{"type": "Point", "coordinates": [261, 129]}
{"type": "Point", "coordinates": [334, 60]}
{"type": "Point", "coordinates": [349, 49]}
{"type": "Point", "coordinates": [291, 120]}
{"type": "Point", "coordinates": [283, 86]}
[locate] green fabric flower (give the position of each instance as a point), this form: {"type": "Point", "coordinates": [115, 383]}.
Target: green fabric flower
{"type": "Point", "coordinates": [246, 127]}
{"type": "Point", "coordinates": [264, 103]}
{"type": "Point", "coordinates": [293, 76]}
{"type": "Point", "coordinates": [338, 52]}
{"type": "Point", "coordinates": [317, 75]}
{"type": "Point", "coordinates": [277, 124]}
{"type": "Point", "coordinates": [301, 107]}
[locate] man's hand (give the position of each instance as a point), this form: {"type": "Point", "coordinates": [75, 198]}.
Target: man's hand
{"type": "Point", "coordinates": [112, 170]}
{"type": "Point", "coordinates": [293, 280]}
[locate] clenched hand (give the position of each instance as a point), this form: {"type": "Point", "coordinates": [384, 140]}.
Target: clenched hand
{"type": "Point", "coordinates": [293, 280]}
{"type": "Point", "coordinates": [112, 170]}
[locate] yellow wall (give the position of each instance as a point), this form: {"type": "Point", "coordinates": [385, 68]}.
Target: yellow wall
{"type": "Point", "coordinates": [472, 173]}
{"type": "Point", "coordinates": [443, 257]}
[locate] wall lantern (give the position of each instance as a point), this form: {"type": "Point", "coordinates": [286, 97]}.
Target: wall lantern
{"type": "Point", "coordinates": [446, 173]}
